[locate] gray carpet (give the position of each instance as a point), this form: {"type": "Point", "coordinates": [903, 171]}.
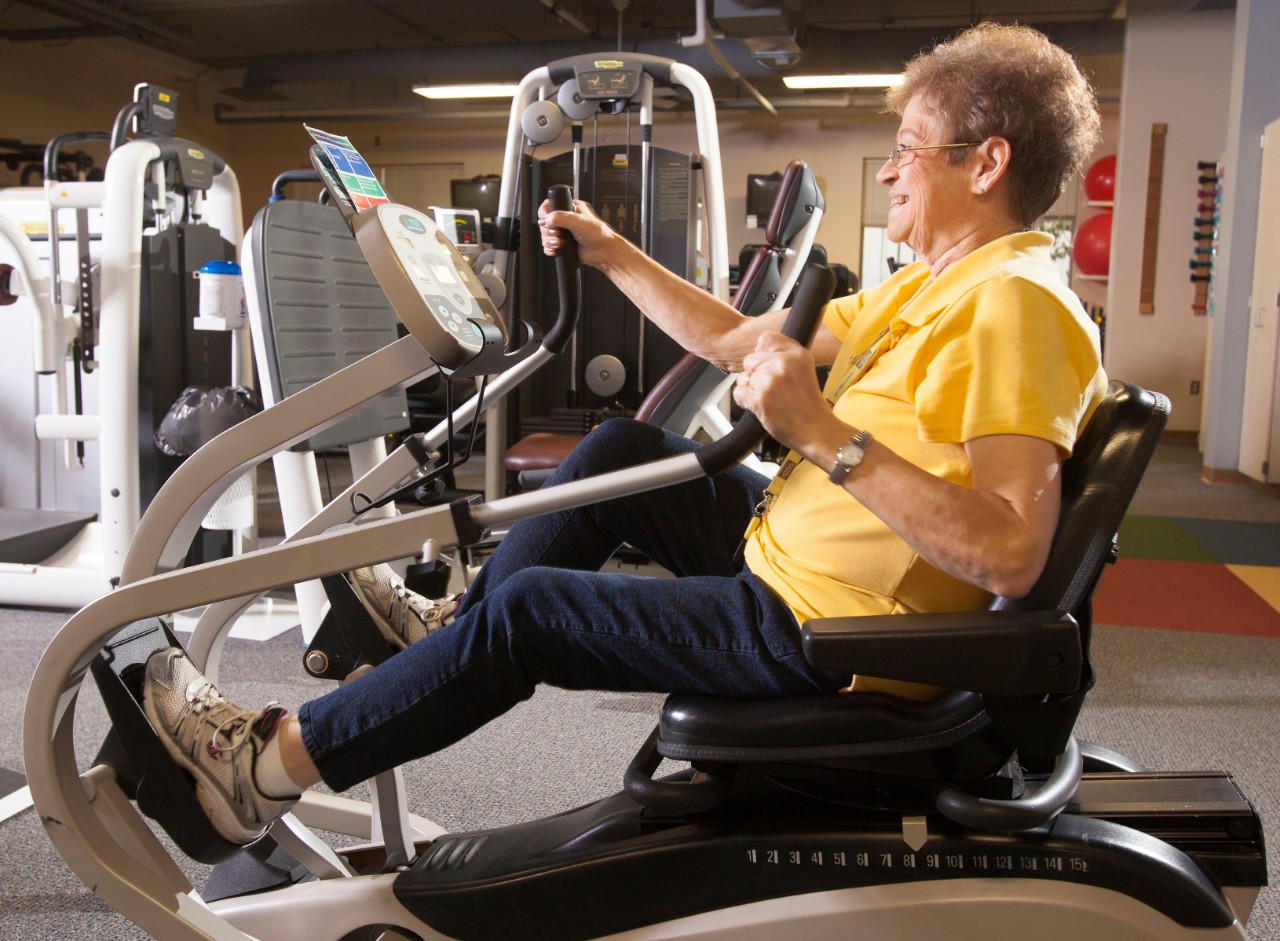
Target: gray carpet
{"type": "Point", "coordinates": [557, 751]}
{"type": "Point", "coordinates": [1173, 701]}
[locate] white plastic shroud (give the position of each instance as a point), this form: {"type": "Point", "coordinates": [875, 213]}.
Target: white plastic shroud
{"type": "Point", "coordinates": [434, 291]}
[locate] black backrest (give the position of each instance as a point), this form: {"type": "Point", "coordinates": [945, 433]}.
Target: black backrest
{"type": "Point", "coordinates": [676, 398]}
{"type": "Point", "coordinates": [1098, 483]}
{"type": "Point", "coordinates": [1099, 480]}
{"type": "Point", "coordinates": [798, 198]}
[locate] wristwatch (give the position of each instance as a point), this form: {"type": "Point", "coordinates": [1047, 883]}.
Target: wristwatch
{"type": "Point", "coordinates": [850, 456]}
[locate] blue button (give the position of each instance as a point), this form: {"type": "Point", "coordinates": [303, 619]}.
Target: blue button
{"type": "Point", "coordinates": [413, 224]}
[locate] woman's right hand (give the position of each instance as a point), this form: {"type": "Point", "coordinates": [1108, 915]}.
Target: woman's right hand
{"type": "Point", "coordinates": [590, 231]}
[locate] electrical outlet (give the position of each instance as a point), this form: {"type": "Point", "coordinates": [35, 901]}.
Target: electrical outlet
{"type": "Point", "coordinates": [1195, 386]}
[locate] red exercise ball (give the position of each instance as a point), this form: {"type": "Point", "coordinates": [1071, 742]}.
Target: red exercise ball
{"type": "Point", "coordinates": [1100, 180]}
{"type": "Point", "coordinates": [1091, 246]}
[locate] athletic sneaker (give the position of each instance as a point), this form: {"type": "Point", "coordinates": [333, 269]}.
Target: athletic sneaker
{"type": "Point", "coordinates": [216, 741]}
{"type": "Point", "coordinates": [403, 617]}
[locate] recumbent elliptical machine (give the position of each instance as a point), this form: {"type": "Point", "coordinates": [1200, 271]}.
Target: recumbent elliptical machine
{"type": "Point", "coordinates": [823, 817]}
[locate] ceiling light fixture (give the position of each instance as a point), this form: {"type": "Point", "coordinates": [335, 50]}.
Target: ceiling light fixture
{"type": "Point", "coordinates": [466, 91]}
{"type": "Point", "coordinates": [883, 80]}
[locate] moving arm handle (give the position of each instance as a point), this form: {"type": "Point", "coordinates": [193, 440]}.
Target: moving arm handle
{"type": "Point", "coordinates": [567, 279]}
{"type": "Point", "coordinates": [817, 285]}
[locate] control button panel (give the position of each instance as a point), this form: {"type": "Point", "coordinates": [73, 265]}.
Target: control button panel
{"type": "Point", "coordinates": [429, 273]}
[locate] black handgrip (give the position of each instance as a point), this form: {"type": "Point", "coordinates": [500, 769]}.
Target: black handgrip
{"type": "Point", "coordinates": [120, 130]}
{"type": "Point", "coordinates": [561, 332]}
{"type": "Point", "coordinates": [817, 285]}
{"type": "Point", "coordinates": [293, 176]}
{"type": "Point", "coordinates": [53, 150]}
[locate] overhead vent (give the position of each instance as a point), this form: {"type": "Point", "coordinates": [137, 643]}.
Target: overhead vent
{"type": "Point", "coordinates": [767, 28]}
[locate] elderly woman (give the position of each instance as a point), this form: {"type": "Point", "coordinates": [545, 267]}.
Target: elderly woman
{"type": "Point", "coordinates": [923, 477]}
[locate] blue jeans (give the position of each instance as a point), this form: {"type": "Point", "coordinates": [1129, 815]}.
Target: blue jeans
{"type": "Point", "coordinates": [542, 612]}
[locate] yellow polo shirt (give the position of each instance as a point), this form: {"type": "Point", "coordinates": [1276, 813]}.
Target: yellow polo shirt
{"type": "Point", "coordinates": [996, 345]}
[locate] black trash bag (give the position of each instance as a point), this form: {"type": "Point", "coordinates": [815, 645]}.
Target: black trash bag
{"type": "Point", "coordinates": [200, 414]}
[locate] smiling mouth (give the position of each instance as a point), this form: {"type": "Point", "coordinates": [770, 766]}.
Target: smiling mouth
{"type": "Point", "coordinates": [898, 200]}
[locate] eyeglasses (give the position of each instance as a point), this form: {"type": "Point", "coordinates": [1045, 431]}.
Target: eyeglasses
{"type": "Point", "coordinates": [895, 155]}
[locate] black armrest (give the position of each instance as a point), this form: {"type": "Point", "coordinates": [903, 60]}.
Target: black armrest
{"type": "Point", "coordinates": [1002, 653]}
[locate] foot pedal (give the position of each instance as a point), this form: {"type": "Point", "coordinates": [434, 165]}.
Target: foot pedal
{"type": "Point", "coordinates": [162, 790]}
{"type": "Point", "coordinates": [429, 579]}
{"type": "Point", "coordinates": [347, 638]}
{"type": "Point", "coordinates": [259, 867]}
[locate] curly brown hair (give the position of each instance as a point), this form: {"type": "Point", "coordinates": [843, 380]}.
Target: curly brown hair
{"type": "Point", "coordinates": [994, 80]}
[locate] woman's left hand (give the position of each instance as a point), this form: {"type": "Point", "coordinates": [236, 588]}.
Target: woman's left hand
{"type": "Point", "coordinates": [778, 384]}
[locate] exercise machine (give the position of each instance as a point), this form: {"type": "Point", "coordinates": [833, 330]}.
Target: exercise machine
{"type": "Point", "coordinates": [818, 817]}
{"type": "Point", "coordinates": [314, 307]}
{"type": "Point", "coordinates": [692, 397]}
{"type": "Point", "coordinates": [121, 330]}
{"type": "Point", "coordinates": [671, 204]}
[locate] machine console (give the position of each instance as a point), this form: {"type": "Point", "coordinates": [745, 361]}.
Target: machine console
{"type": "Point", "coordinates": [429, 283]}
{"type": "Point", "coordinates": [433, 290]}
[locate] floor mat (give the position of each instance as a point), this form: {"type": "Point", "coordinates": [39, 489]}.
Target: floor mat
{"type": "Point", "coordinates": [1216, 576]}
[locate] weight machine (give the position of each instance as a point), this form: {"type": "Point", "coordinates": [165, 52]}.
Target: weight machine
{"type": "Point", "coordinates": [673, 209]}
{"type": "Point", "coordinates": [123, 334]}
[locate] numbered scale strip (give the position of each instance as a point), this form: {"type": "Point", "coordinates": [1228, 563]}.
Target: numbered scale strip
{"type": "Point", "coordinates": [948, 864]}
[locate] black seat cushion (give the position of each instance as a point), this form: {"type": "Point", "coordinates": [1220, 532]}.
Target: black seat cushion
{"type": "Point", "coordinates": [823, 726]}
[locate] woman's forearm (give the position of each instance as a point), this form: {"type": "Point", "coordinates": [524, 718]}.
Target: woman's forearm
{"type": "Point", "coordinates": [700, 322]}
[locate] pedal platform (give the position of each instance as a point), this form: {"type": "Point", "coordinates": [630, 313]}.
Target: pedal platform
{"type": "Point", "coordinates": [146, 773]}
{"type": "Point", "coordinates": [347, 638]}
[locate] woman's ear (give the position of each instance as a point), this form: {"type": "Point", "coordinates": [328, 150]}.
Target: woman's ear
{"type": "Point", "coordinates": [994, 154]}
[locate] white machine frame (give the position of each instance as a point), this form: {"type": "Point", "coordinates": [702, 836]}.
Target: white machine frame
{"type": "Point", "coordinates": [93, 562]}
{"type": "Point", "coordinates": [540, 86]}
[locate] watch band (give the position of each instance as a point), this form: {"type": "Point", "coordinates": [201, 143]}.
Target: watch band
{"type": "Point", "coordinates": [850, 456]}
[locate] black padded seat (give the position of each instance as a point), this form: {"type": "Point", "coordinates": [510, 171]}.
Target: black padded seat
{"type": "Point", "coordinates": [817, 728]}
{"type": "Point", "coordinates": [1020, 671]}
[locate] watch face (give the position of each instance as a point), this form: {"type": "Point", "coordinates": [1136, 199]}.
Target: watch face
{"type": "Point", "coordinates": [849, 456]}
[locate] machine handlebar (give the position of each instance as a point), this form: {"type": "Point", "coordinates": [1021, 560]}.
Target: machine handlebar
{"type": "Point", "coordinates": [567, 280]}
{"type": "Point", "coordinates": [817, 285]}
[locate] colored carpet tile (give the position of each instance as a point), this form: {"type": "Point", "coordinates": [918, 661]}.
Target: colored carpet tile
{"type": "Point", "coordinates": [1182, 573]}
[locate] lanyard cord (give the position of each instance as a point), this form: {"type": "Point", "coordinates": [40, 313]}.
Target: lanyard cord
{"type": "Point", "coordinates": [857, 368]}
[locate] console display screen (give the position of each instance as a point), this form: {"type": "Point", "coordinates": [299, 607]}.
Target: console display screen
{"type": "Point", "coordinates": [444, 273]}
